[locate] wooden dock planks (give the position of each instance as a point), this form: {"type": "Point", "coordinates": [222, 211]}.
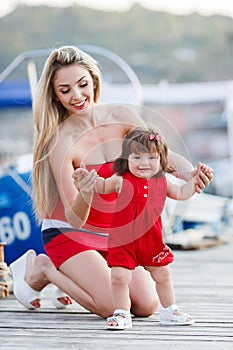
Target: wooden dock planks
{"type": "Point", "coordinates": [203, 282]}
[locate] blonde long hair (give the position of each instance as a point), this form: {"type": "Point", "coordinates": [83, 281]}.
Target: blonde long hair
{"type": "Point", "coordinates": [48, 115]}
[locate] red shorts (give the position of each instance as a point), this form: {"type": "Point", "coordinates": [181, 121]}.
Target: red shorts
{"type": "Point", "coordinates": [60, 246]}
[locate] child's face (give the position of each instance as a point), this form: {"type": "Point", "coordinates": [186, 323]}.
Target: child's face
{"type": "Point", "coordinates": [144, 165]}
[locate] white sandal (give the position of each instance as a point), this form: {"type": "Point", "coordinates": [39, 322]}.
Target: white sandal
{"type": "Point", "coordinates": [122, 318]}
{"type": "Point", "coordinates": [22, 291]}
{"type": "Point", "coordinates": [58, 293]}
{"type": "Point", "coordinates": [168, 318]}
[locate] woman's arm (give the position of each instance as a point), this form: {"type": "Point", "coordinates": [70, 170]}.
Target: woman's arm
{"type": "Point", "coordinates": [76, 204]}
{"type": "Point", "coordinates": [184, 170]}
{"type": "Point", "coordinates": [185, 191]}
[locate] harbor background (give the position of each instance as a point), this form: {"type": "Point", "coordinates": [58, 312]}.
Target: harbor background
{"type": "Point", "coordinates": [181, 79]}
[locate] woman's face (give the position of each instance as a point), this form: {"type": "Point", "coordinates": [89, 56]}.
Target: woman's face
{"type": "Point", "coordinates": [73, 86]}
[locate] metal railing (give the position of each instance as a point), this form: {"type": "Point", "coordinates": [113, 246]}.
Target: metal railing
{"type": "Point", "coordinates": [30, 56]}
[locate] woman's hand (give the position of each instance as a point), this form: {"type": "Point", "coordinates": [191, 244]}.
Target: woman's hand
{"type": "Point", "coordinates": [84, 180]}
{"type": "Point", "coordinates": [204, 176]}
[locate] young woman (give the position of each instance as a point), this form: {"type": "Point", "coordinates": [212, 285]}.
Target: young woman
{"type": "Point", "coordinates": [71, 128]}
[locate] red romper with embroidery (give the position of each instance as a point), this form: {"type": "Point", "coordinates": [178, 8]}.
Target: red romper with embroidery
{"type": "Point", "coordinates": [135, 236]}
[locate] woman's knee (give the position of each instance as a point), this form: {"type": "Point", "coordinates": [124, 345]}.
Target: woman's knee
{"type": "Point", "coordinates": [43, 264]}
{"type": "Point", "coordinates": [145, 308]}
{"type": "Point", "coordinates": [102, 305]}
{"type": "Point", "coordinates": [144, 299]}
{"type": "Point", "coordinates": [104, 310]}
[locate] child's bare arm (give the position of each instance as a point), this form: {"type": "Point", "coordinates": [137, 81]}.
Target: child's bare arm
{"type": "Point", "coordinates": [109, 185]}
{"type": "Point", "coordinates": [86, 181]}
{"type": "Point", "coordinates": [183, 192]}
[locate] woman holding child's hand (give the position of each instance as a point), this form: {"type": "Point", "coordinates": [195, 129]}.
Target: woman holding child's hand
{"type": "Point", "coordinates": [71, 129]}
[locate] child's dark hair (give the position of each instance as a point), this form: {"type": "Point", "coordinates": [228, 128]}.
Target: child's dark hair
{"type": "Point", "coordinates": [142, 140]}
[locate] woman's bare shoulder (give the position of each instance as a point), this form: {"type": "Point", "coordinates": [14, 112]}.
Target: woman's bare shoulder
{"type": "Point", "coordinates": [123, 114]}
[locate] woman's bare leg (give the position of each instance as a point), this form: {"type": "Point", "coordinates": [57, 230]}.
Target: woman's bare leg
{"type": "Point", "coordinates": [93, 281]}
{"type": "Point", "coordinates": [84, 285]}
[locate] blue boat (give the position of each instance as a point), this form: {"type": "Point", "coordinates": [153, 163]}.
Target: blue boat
{"type": "Point", "coordinates": [18, 227]}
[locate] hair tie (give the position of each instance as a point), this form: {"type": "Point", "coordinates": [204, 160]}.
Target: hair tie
{"type": "Point", "coordinates": [153, 137]}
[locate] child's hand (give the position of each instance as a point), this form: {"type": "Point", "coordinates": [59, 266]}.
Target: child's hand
{"type": "Point", "coordinates": [204, 175]}
{"type": "Point", "coordinates": [79, 174]}
{"type": "Point", "coordinates": [84, 180]}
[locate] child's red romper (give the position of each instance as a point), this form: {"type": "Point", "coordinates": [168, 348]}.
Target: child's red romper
{"type": "Point", "coordinates": [135, 237]}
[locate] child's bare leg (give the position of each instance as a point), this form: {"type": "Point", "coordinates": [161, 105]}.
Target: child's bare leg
{"type": "Point", "coordinates": [120, 280]}
{"type": "Point", "coordinates": [164, 286]}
